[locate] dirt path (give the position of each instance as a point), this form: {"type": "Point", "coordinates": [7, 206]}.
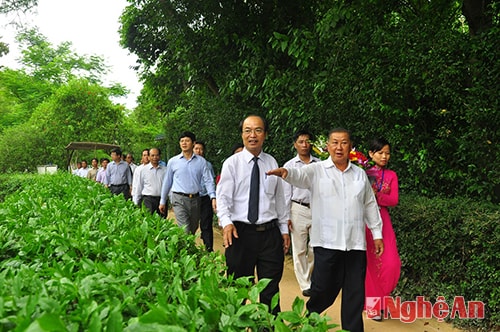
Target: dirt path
{"type": "Point", "coordinates": [289, 289]}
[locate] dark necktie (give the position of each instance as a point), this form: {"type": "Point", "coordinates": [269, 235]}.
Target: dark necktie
{"type": "Point", "coordinates": [253, 201]}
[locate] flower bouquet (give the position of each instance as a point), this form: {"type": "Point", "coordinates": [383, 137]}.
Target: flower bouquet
{"type": "Point", "coordinates": [359, 159]}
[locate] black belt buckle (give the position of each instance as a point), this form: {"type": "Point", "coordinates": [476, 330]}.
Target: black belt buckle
{"type": "Point", "coordinates": [260, 228]}
{"type": "Point", "coordinates": [266, 226]}
{"type": "Point", "coordinates": [186, 195]}
{"type": "Point", "coordinates": [256, 227]}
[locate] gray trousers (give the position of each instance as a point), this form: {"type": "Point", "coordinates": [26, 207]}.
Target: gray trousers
{"type": "Point", "coordinates": [187, 212]}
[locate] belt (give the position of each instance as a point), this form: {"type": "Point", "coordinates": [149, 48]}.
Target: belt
{"type": "Point", "coordinates": [258, 227]}
{"type": "Point", "coordinates": [187, 195]}
{"type": "Point", "coordinates": [307, 205]}
{"type": "Point", "coordinates": [118, 185]}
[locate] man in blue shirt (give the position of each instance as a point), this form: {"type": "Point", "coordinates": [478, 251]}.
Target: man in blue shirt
{"type": "Point", "coordinates": [118, 175]}
{"type": "Point", "coordinates": [187, 174]}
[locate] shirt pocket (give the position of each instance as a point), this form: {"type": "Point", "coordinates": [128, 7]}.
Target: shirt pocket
{"type": "Point", "coordinates": [270, 184]}
{"type": "Point", "coordinates": [327, 188]}
{"type": "Point", "coordinates": [357, 189]}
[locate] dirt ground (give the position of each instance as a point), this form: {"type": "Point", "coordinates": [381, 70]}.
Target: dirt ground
{"type": "Point", "coordinates": [289, 289]}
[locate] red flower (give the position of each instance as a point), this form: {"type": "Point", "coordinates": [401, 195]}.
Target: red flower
{"type": "Point", "coordinates": [359, 159]}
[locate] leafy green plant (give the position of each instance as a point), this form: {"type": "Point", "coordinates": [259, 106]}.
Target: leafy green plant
{"type": "Point", "coordinates": [74, 257]}
{"type": "Point", "coordinates": [450, 247]}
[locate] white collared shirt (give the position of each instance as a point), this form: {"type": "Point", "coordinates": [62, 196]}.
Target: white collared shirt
{"type": "Point", "coordinates": [149, 181]}
{"type": "Point", "coordinates": [296, 193]}
{"type": "Point", "coordinates": [342, 203]}
{"type": "Point", "coordinates": [135, 182]}
{"type": "Point", "coordinates": [233, 191]}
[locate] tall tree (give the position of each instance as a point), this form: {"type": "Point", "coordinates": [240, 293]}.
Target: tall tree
{"type": "Point", "coordinates": [57, 64]}
{"type": "Point", "coordinates": [78, 111]}
{"type": "Point", "coordinates": [56, 97]}
{"type": "Point", "coordinates": [9, 6]}
{"type": "Point", "coordinates": [407, 70]}
{"type": "Point", "coordinates": [45, 68]}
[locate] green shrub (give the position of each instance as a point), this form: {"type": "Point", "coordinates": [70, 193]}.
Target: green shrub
{"type": "Point", "coordinates": [450, 247]}
{"type": "Point", "coordinates": [73, 257]}
{"type": "Point", "coordinates": [10, 183]}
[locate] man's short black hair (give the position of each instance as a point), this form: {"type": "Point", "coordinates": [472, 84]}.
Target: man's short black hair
{"type": "Point", "coordinates": [236, 146]}
{"type": "Point", "coordinates": [188, 134]}
{"type": "Point", "coordinates": [118, 151]}
{"type": "Point", "coordinates": [303, 132]}
{"type": "Point", "coordinates": [201, 143]}
{"type": "Point", "coordinates": [340, 130]}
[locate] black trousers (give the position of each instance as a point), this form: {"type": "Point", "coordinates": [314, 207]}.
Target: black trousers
{"type": "Point", "coordinates": [261, 250]}
{"type": "Point", "coordinates": [152, 203]}
{"type": "Point", "coordinates": [121, 189]}
{"type": "Point", "coordinates": [335, 270]}
{"type": "Point", "coordinates": [206, 221]}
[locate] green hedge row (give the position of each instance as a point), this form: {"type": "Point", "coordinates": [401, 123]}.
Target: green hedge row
{"type": "Point", "coordinates": [75, 258]}
{"type": "Point", "coordinates": [450, 247]}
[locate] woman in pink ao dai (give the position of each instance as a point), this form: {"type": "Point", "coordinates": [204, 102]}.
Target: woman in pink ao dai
{"type": "Point", "coordinates": [382, 273]}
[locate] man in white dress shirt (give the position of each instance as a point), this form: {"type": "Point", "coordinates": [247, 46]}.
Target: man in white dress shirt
{"type": "Point", "coordinates": [298, 203]}
{"type": "Point", "coordinates": [342, 205]}
{"type": "Point", "coordinates": [149, 182]}
{"type": "Point", "coordinates": [253, 241]}
{"type": "Point", "coordinates": [82, 172]}
{"type": "Point", "coordinates": [135, 177]}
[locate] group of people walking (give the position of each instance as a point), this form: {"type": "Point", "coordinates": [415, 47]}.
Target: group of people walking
{"type": "Point", "coordinates": [187, 181]}
{"type": "Point", "coordinates": [332, 214]}
{"type": "Point", "coordinates": [342, 236]}
{"type": "Point", "coordinates": [95, 172]}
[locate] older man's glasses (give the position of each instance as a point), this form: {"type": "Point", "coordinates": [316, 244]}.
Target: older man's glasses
{"type": "Point", "coordinates": [257, 131]}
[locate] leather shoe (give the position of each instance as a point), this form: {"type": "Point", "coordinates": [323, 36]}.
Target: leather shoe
{"type": "Point", "coordinates": [306, 292]}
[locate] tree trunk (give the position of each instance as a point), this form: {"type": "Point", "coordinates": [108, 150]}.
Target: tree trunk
{"type": "Point", "coordinates": [478, 15]}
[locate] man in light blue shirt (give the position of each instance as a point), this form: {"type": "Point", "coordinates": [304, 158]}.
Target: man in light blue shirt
{"type": "Point", "coordinates": [186, 174]}
{"type": "Point", "coordinates": [118, 175]}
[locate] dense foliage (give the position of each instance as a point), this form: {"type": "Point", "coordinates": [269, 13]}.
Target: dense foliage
{"type": "Point", "coordinates": [420, 73]}
{"type": "Point", "coordinates": [450, 247]}
{"type": "Point", "coordinates": [73, 257]}
{"type": "Point", "coordinates": [56, 98]}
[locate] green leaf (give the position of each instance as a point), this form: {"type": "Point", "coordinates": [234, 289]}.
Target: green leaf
{"type": "Point", "coordinates": [47, 322]}
{"type": "Point", "coordinates": [115, 321]}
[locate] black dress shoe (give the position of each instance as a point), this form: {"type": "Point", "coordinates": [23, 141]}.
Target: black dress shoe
{"type": "Point", "coordinates": [306, 292]}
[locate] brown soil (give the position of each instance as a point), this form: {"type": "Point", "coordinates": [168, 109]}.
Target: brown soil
{"type": "Point", "coordinates": [289, 290]}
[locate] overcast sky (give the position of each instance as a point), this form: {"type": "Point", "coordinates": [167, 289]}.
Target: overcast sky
{"type": "Point", "coordinates": [92, 27]}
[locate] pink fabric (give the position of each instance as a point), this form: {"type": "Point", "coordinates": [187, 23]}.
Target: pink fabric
{"type": "Point", "coordinates": [382, 274]}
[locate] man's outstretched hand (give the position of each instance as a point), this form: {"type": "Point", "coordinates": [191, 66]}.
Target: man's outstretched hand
{"type": "Point", "coordinates": [281, 172]}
